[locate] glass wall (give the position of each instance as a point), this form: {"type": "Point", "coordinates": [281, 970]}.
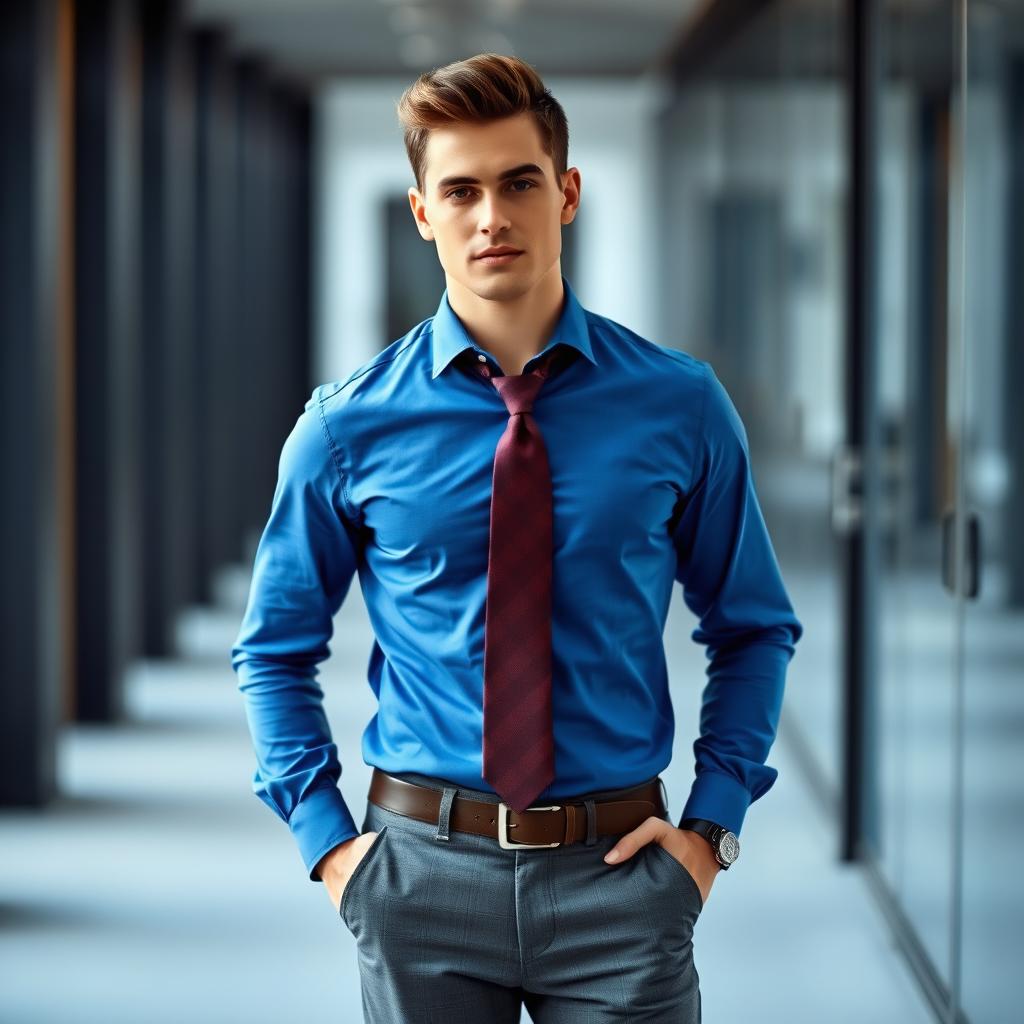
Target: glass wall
{"type": "Point", "coordinates": [951, 666]}
{"type": "Point", "coordinates": [757, 178]}
{"type": "Point", "coordinates": [912, 733]}
{"type": "Point", "coordinates": [991, 885]}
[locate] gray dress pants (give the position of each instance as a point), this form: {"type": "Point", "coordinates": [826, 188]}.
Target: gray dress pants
{"type": "Point", "coordinates": [462, 931]}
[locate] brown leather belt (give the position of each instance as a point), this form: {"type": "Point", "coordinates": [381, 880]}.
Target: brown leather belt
{"type": "Point", "coordinates": [547, 825]}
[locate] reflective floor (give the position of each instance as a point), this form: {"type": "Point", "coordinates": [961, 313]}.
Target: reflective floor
{"type": "Point", "coordinates": [158, 888]}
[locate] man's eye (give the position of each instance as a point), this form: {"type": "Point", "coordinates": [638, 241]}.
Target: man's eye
{"type": "Point", "coordinates": [454, 194]}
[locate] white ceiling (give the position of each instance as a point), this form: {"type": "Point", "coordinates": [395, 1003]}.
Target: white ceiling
{"type": "Point", "coordinates": [314, 39]}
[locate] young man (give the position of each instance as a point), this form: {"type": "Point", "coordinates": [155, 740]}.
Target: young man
{"type": "Point", "coordinates": [518, 483]}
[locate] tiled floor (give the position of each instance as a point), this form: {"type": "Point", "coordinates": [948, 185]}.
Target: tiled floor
{"type": "Point", "coordinates": [159, 889]}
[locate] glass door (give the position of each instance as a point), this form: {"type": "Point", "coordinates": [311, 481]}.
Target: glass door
{"type": "Point", "coordinates": [990, 545]}
{"type": "Point", "coordinates": [914, 719]}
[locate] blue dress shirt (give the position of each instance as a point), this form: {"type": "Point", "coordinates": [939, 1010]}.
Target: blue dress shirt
{"type": "Point", "coordinates": [388, 474]}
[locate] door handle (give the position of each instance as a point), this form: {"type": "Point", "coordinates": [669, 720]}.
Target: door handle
{"type": "Point", "coordinates": [972, 553]}
{"type": "Point", "coordinates": [846, 486]}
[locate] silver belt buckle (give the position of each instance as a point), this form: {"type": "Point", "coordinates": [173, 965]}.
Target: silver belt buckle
{"type": "Point", "coordinates": [503, 840]}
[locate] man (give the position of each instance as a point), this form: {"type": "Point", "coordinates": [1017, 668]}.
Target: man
{"type": "Point", "coordinates": [518, 482]}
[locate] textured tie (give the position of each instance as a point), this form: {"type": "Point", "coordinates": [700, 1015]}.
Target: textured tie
{"type": "Point", "coordinates": [518, 742]}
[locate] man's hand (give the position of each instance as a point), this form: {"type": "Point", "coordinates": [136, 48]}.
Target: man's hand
{"type": "Point", "coordinates": [336, 866]}
{"type": "Point", "coordinates": [693, 851]}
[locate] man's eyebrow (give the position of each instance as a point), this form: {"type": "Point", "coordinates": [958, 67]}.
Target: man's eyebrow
{"type": "Point", "coordinates": [512, 172]}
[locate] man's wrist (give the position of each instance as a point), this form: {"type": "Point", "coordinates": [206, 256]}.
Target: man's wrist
{"type": "Point", "coordinates": [723, 843]}
{"type": "Point", "coordinates": [323, 861]}
{"type": "Point", "coordinates": [707, 842]}
{"type": "Point", "coordinates": [706, 845]}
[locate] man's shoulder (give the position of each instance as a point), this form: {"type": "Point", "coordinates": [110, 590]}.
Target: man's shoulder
{"type": "Point", "coordinates": [370, 372]}
{"type": "Point", "coordinates": [646, 355]}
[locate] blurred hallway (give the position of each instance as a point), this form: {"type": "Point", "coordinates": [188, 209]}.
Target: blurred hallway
{"type": "Point", "coordinates": [205, 217]}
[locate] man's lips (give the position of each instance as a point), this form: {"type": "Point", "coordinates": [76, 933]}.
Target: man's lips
{"type": "Point", "coordinates": [497, 250]}
{"type": "Point", "coordinates": [499, 258]}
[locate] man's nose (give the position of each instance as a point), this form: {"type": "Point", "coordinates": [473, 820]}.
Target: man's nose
{"type": "Point", "coordinates": [492, 214]}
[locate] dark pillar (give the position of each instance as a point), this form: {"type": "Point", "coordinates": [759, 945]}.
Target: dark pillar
{"type": "Point", "coordinates": [289, 348]}
{"type": "Point", "coordinates": [861, 543]}
{"type": "Point", "coordinates": [300, 242]}
{"type": "Point", "coordinates": [108, 402]}
{"type": "Point", "coordinates": [167, 342]}
{"type": "Point", "coordinates": [219, 375]}
{"type": "Point", "coordinates": [273, 341]}
{"type": "Point", "coordinates": [253, 284]}
{"type": "Point", "coordinates": [35, 388]}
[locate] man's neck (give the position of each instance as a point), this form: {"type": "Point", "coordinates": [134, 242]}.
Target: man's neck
{"type": "Point", "coordinates": [514, 331]}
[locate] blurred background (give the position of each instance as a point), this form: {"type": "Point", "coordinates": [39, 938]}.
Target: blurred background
{"type": "Point", "coordinates": [203, 215]}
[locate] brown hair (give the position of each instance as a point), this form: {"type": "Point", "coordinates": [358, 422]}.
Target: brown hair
{"type": "Point", "coordinates": [481, 88]}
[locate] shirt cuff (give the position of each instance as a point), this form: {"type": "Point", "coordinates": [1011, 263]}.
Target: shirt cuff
{"type": "Point", "coordinates": [319, 822]}
{"type": "Point", "coordinates": [719, 798]}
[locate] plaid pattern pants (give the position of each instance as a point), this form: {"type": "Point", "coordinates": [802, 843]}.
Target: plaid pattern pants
{"type": "Point", "coordinates": [461, 930]}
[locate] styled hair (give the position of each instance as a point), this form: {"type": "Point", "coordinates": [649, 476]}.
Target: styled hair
{"type": "Point", "coordinates": [479, 89]}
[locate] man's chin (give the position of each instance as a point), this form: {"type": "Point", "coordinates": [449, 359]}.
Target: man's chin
{"type": "Point", "coordinates": [499, 287]}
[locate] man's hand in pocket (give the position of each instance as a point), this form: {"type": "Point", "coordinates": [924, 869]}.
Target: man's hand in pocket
{"type": "Point", "coordinates": [693, 851]}
{"type": "Point", "coordinates": [336, 866]}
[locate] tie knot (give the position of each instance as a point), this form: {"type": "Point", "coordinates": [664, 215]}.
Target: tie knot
{"type": "Point", "coordinates": [518, 391]}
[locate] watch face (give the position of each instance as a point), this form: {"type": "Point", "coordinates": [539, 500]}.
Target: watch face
{"type": "Point", "coordinates": [729, 846]}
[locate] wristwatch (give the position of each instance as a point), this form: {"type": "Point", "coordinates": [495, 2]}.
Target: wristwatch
{"type": "Point", "coordinates": [723, 842]}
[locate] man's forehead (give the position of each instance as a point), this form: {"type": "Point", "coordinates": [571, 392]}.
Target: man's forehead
{"type": "Point", "coordinates": [471, 151]}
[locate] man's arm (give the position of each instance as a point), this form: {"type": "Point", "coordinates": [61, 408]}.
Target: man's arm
{"type": "Point", "coordinates": [303, 568]}
{"type": "Point", "coordinates": [731, 581]}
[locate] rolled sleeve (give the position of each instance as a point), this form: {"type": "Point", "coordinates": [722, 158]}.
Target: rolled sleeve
{"type": "Point", "coordinates": [731, 581]}
{"type": "Point", "coordinates": [304, 565]}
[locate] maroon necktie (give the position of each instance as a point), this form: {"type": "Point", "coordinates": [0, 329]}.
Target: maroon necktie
{"type": "Point", "coordinates": [518, 743]}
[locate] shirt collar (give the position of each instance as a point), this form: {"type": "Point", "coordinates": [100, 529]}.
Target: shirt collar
{"type": "Point", "coordinates": [450, 337]}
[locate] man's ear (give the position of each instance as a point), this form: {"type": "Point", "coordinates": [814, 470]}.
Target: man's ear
{"type": "Point", "coordinates": [419, 214]}
{"type": "Point", "coordinates": [571, 187]}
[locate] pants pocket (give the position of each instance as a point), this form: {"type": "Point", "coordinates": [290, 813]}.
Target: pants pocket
{"type": "Point", "coordinates": [682, 875]}
{"type": "Point", "coordinates": [352, 887]}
